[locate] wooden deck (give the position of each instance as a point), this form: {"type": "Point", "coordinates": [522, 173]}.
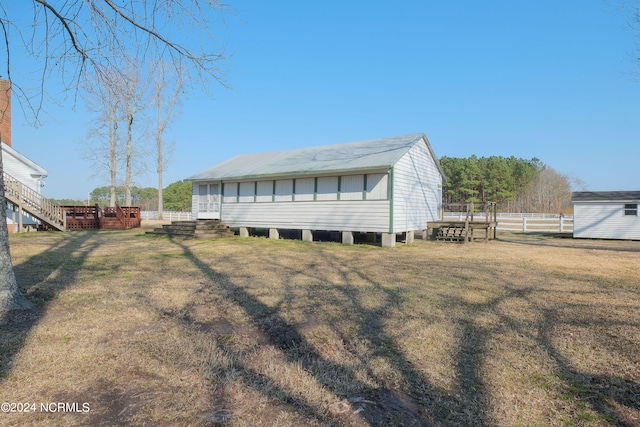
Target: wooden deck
{"type": "Point", "coordinates": [467, 230]}
{"type": "Point", "coordinates": [461, 231]}
{"type": "Point", "coordinates": [107, 218]}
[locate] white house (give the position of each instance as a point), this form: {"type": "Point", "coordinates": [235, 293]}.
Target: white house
{"type": "Point", "coordinates": [22, 168]}
{"type": "Point", "coordinates": [387, 186]}
{"type": "Point", "coordinates": [606, 215]}
{"type": "Point", "coordinates": [15, 165]}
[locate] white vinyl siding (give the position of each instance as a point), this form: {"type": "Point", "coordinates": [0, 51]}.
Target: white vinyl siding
{"type": "Point", "coordinates": [305, 188]}
{"type": "Point", "coordinates": [327, 188]}
{"type": "Point", "coordinates": [339, 215]}
{"type": "Point", "coordinates": [18, 169]}
{"type": "Point", "coordinates": [377, 186]}
{"type": "Point", "coordinates": [604, 220]}
{"type": "Point", "coordinates": [247, 192]}
{"type": "Point", "coordinates": [351, 187]}
{"type": "Point", "coordinates": [284, 190]}
{"type": "Point", "coordinates": [416, 190]}
{"type": "Point", "coordinates": [230, 192]}
{"type": "Point", "coordinates": [264, 191]}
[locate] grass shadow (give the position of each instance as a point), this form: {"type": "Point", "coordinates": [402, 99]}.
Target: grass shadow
{"type": "Point", "coordinates": [388, 408]}
{"type": "Point", "coordinates": [41, 278]}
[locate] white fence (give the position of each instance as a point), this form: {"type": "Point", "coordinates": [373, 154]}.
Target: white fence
{"type": "Point", "coordinates": [522, 221]}
{"type": "Point", "coordinates": [167, 215]}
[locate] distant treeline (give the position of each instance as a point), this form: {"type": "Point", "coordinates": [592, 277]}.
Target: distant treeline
{"type": "Point", "coordinates": [176, 197]}
{"type": "Point", "coordinates": [517, 185]}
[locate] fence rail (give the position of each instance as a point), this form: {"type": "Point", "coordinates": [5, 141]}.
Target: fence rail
{"type": "Point", "coordinates": [167, 215]}
{"type": "Point", "coordinates": [523, 222]}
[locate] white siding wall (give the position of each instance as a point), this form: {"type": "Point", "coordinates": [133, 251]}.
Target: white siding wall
{"type": "Point", "coordinates": [339, 215]}
{"type": "Point", "coordinates": [194, 200]}
{"type": "Point", "coordinates": [416, 192]}
{"type": "Point", "coordinates": [314, 205]}
{"type": "Point", "coordinates": [604, 220]}
{"type": "Point", "coordinates": [20, 171]}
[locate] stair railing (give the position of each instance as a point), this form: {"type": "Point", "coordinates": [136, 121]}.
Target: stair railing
{"type": "Point", "coordinates": [31, 201]}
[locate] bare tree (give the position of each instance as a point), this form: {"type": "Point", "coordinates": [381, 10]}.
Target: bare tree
{"type": "Point", "coordinates": [550, 192]}
{"type": "Point", "coordinates": [102, 144]}
{"type": "Point", "coordinates": [169, 100]}
{"type": "Point", "coordinates": [90, 38]}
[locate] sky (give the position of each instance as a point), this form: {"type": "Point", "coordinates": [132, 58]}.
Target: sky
{"type": "Point", "coordinates": [554, 80]}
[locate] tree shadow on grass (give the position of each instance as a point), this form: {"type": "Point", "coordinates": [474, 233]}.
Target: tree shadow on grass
{"type": "Point", "coordinates": [41, 278]}
{"type": "Point", "coordinates": [383, 406]}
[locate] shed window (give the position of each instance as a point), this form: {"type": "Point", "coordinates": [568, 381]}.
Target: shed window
{"type": "Point", "coordinates": [631, 209]}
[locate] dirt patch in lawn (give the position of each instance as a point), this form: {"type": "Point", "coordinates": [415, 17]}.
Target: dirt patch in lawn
{"type": "Point", "coordinates": [142, 330]}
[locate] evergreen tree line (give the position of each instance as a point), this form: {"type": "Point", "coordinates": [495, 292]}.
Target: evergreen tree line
{"type": "Point", "coordinates": [516, 185]}
{"type": "Point", "coordinates": [176, 197]}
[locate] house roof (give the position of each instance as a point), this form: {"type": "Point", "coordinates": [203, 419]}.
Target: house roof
{"type": "Point", "coordinates": [600, 196]}
{"type": "Point", "coordinates": [354, 156]}
{"type": "Point", "coordinates": [36, 170]}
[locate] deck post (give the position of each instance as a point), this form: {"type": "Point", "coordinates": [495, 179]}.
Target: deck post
{"type": "Point", "coordinates": [274, 233]}
{"type": "Point", "coordinates": [307, 235]}
{"type": "Point", "coordinates": [389, 240]}
{"type": "Point", "coordinates": [347, 237]}
{"type": "Point", "coordinates": [244, 232]}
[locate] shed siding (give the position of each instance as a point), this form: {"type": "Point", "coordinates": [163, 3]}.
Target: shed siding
{"type": "Point", "coordinates": [605, 220]}
{"type": "Point", "coordinates": [417, 187]}
{"type": "Point", "coordinates": [339, 215]}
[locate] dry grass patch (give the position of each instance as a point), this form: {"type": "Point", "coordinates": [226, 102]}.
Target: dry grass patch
{"type": "Point", "coordinates": [527, 330]}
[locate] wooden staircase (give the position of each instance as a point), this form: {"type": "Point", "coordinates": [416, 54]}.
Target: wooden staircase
{"type": "Point", "coordinates": [31, 201]}
{"type": "Point", "coordinates": [467, 230]}
{"type": "Point", "coordinates": [204, 229]}
{"type": "Point", "coordinates": [63, 218]}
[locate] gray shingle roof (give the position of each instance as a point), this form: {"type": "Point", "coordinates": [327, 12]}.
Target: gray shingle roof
{"type": "Point", "coordinates": [597, 196]}
{"type": "Point", "coordinates": [354, 156]}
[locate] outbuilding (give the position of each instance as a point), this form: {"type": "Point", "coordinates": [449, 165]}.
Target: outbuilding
{"type": "Point", "coordinates": [383, 186]}
{"type": "Point", "coordinates": [606, 215]}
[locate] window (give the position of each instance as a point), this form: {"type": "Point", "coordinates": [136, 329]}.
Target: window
{"type": "Point", "coordinates": [631, 209]}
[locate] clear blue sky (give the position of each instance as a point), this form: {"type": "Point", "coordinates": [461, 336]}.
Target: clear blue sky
{"type": "Point", "coordinates": [526, 78]}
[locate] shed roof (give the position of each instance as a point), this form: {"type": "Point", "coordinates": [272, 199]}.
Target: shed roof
{"type": "Point", "coordinates": [605, 196]}
{"type": "Point", "coordinates": [354, 156]}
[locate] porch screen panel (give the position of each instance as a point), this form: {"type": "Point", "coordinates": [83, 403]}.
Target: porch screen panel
{"type": "Point", "coordinates": [327, 188]}
{"type": "Point", "coordinates": [264, 191]}
{"type": "Point", "coordinates": [304, 189]}
{"type": "Point", "coordinates": [351, 187]}
{"type": "Point", "coordinates": [247, 190]}
{"type": "Point", "coordinates": [284, 190]}
{"type": "Point", "coordinates": [377, 186]}
{"type": "Point", "coordinates": [230, 192]}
